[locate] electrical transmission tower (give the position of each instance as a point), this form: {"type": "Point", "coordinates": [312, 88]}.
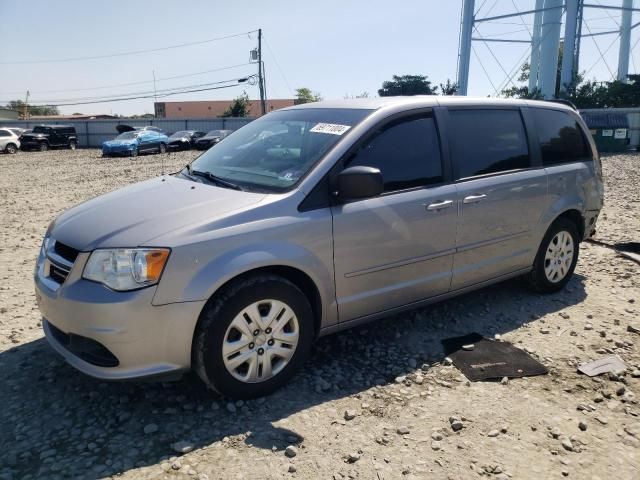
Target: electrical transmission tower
{"type": "Point", "coordinates": [545, 41]}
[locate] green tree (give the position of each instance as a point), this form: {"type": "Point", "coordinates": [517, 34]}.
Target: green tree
{"type": "Point", "coordinates": [18, 105]}
{"type": "Point", "coordinates": [407, 85]}
{"type": "Point", "coordinates": [240, 107]}
{"type": "Point", "coordinates": [305, 95]}
{"type": "Point", "coordinates": [360, 95]}
{"type": "Point", "coordinates": [449, 88]}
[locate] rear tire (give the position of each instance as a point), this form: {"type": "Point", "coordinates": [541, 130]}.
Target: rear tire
{"type": "Point", "coordinates": [162, 148]}
{"type": "Point", "coordinates": [231, 358]}
{"type": "Point", "coordinates": [72, 145]}
{"type": "Point", "coordinates": [135, 152]}
{"type": "Point", "coordinates": [11, 148]}
{"type": "Point", "coordinates": [556, 258]}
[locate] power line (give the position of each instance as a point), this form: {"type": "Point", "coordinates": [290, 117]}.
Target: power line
{"type": "Point", "coordinates": [142, 82]}
{"type": "Point", "coordinates": [277, 65]}
{"type": "Point", "coordinates": [144, 92]}
{"type": "Point", "coordinates": [121, 99]}
{"type": "Point", "coordinates": [132, 52]}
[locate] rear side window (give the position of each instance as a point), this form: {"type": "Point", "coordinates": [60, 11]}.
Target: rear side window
{"type": "Point", "coordinates": [487, 141]}
{"type": "Point", "coordinates": [407, 153]}
{"type": "Point", "coordinates": [561, 138]}
{"type": "Point", "coordinates": [4, 133]}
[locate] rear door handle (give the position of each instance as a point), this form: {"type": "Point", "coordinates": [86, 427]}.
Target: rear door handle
{"type": "Point", "coordinates": [474, 198]}
{"type": "Point", "coordinates": [439, 205]}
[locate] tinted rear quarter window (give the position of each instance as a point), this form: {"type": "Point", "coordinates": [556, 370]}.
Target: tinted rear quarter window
{"type": "Point", "coordinates": [407, 153]}
{"type": "Point", "coordinates": [560, 136]}
{"type": "Point", "coordinates": [487, 141]}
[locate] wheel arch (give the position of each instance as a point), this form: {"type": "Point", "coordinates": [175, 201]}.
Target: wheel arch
{"type": "Point", "coordinates": [576, 217]}
{"type": "Point", "coordinates": [296, 276]}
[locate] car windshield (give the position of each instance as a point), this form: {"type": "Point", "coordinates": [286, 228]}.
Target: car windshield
{"type": "Point", "coordinates": [274, 152]}
{"type": "Point", "coordinates": [41, 129]}
{"type": "Point", "coordinates": [184, 133]}
{"type": "Point", "coordinates": [215, 133]}
{"type": "Point", "coordinates": [127, 135]}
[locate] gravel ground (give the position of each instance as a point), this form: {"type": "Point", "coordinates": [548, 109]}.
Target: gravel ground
{"type": "Point", "coordinates": [373, 402]}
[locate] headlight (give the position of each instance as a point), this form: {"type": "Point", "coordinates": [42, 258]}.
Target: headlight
{"type": "Point", "coordinates": [126, 268]}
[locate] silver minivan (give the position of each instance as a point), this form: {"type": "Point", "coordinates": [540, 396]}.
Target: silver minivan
{"type": "Point", "coordinates": [310, 220]}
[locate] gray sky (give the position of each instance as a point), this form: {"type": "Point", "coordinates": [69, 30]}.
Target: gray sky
{"type": "Point", "coordinates": [334, 47]}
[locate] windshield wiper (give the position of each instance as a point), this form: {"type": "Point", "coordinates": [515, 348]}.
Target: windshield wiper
{"type": "Point", "coordinates": [214, 178]}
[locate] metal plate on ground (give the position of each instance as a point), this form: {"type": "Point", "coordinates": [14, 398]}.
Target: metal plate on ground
{"type": "Point", "coordinates": [489, 359]}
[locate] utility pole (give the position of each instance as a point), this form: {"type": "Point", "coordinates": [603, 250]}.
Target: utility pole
{"type": "Point", "coordinates": [155, 94]}
{"type": "Point", "coordinates": [625, 40]}
{"type": "Point", "coordinates": [260, 74]}
{"type": "Point", "coordinates": [464, 49]}
{"type": "Point", "coordinates": [25, 110]}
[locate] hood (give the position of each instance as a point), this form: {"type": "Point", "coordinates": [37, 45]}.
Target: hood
{"type": "Point", "coordinates": [209, 139]}
{"type": "Point", "coordinates": [136, 214]}
{"type": "Point", "coordinates": [31, 134]}
{"type": "Point", "coordinates": [179, 139]}
{"type": "Point", "coordinates": [124, 128]}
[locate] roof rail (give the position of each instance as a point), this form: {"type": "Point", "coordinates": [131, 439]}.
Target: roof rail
{"type": "Point", "coordinates": [563, 101]}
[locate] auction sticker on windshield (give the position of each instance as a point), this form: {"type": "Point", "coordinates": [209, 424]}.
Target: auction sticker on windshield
{"type": "Point", "coordinates": [332, 128]}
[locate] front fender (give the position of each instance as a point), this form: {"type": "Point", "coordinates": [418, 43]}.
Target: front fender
{"type": "Point", "coordinates": [210, 275]}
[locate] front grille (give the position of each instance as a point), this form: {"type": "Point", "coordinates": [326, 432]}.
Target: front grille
{"type": "Point", "coordinates": [65, 251]}
{"type": "Point", "coordinates": [60, 260]}
{"type": "Point", "coordinates": [57, 273]}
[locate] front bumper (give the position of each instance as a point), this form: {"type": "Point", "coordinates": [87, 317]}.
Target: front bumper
{"type": "Point", "coordinates": [146, 340]}
{"type": "Point", "coordinates": [179, 145]}
{"type": "Point", "coordinates": [118, 150]}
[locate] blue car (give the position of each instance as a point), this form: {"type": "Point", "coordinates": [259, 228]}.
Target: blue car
{"type": "Point", "coordinates": [135, 142]}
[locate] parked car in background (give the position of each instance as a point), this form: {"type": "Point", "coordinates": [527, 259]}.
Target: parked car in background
{"type": "Point", "coordinates": [9, 141]}
{"type": "Point", "coordinates": [133, 143]}
{"type": "Point", "coordinates": [211, 138]}
{"type": "Point", "coordinates": [129, 128]}
{"type": "Point", "coordinates": [17, 130]}
{"type": "Point", "coordinates": [44, 137]}
{"type": "Point", "coordinates": [184, 140]}
{"type": "Point", "coordinates": [358, 210]}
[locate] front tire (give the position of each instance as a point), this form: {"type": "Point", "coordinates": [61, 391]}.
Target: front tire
{"type": "Point", "coordinates": [135, 152]}
{"type": "Point", "coordinates": [253, 337]}
{"type": "Point", "coordinates": [162, 148]}
{"type": "Point", "coordinates": [556, 258]}
{"type": "Point", "coordinates": [44, 147]}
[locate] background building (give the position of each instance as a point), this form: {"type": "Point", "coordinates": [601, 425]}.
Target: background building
{"type": "Point", "coordinates": [212, 108]}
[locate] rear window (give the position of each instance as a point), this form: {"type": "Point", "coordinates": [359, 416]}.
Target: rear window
{"type": "Point", "coordinates": [487, 141]}
{"type": "Point", "coordinates": [560, 136]}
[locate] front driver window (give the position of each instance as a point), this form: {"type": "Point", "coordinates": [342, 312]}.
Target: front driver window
{"type": "Point", "coordinates": [406, 152]}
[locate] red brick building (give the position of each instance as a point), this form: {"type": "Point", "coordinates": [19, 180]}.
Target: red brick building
{"type": "Point", "coordinates": [212, 108]}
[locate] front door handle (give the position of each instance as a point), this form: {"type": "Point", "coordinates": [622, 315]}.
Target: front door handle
{"type": "Point", "coordinates": [439, 205]}
{"type": "Point", "coordinates": [474, 198]}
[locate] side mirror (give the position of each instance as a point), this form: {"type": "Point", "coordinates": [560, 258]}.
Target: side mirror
{"type": "Point", "coordinates": [359, 182]}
